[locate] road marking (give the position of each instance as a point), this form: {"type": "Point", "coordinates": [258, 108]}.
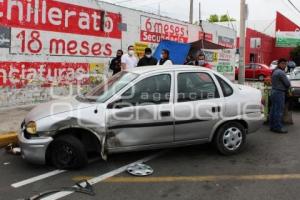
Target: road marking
{"type": "Point", "coordinates": [103, 177]}
{"type": "Point", "coordinates": [37, 178]}
{"type": "Point", "coordinates": [203, 178]}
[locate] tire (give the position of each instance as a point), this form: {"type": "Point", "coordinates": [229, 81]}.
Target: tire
{"type": "Point", "coordinates": [67, 152]}
{"type": "Point", "coordinates": [230, 138]}
{"type": "Point", "coordinates": [261, 77]}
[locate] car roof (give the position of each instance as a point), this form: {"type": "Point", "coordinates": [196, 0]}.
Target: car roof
{"type": "Point", "coordinates": [160, 68]}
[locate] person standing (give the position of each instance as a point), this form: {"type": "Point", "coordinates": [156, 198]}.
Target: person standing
{"type": "Point", "coordinates": [129, 60]}
{"type": "Point", "coordinates": [280, 87]}
{"type": "Point", "coordinates": [291, 66]}
{"type": "Point", "coordinates": [148, 59]}
{"type": "Point", "coordinates": [115, 64]}
{"type": "Point", "coordinates": [165, 58]}
{"type": "Point", "coordinates": [200, 61]}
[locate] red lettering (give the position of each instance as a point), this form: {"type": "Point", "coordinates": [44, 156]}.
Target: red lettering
{"type": "Point", "coordinates": [35, 42]}
{"type": "Point", "coordinates": [72, 47]}
{"type": "Point", "coordinates": [58, 45]}
{"type": "Point", "coordinates": [96, 49]}
{"type": "Point", "coordinates": [108, 50]}
{"type": "Point", "coordinates": [85, 48]}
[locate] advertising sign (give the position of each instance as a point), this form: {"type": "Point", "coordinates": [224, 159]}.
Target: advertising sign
{"type": "Point", "coordinates": [19, 74]}
{"type": "Point", "coordinates": [223, 61]}
{"type": "Point", "coordinates": [139, 48]}
{"type": "Point", "coordinates": [226, 42]}
{"type": "Point", "coordinates": [57, 28]}
{"type": "Point", "coordinates": [287, 39]}
{"type": "Point", "coordinates": [154, 30]}
{"type": "Point", "coordinates": [205, 36]}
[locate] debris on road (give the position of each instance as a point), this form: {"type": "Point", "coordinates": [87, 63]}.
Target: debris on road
{"type": "Point", "coordinates": [13, 149]}
{"type": "Point", "coordinates": [83, 187]}
{"type": "Point", "coordinates": [140, 169]}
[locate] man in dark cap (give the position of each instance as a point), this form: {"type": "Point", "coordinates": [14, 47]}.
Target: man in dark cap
{"type": "Point", "coordinates": [148, 59]}
{"type": "Point", "coordinates": [280, 86]}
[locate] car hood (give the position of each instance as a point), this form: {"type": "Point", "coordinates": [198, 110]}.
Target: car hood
{"type": "Point", "coordinates": [55, 107]}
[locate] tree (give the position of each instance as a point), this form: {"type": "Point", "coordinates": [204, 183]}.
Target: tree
{"type": "Point", "coordinates": [226, 18]}
{"type": "Point", "coordinates": [223, 18]}
{"type": "Point", "coordinates": [295, 55]}
{"type": "Point", "coordinates": [213, 18]}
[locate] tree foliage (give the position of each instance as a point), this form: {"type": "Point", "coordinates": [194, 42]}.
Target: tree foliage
{"type": "Point", "coordinates": [213, 18]}
{"type": "Point", "coordinates": [223, 18]}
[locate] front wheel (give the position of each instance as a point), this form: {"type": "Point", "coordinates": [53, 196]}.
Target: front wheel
{"type": "Point", "coordinates": [67, 152]}
{"type": "Point", "coordinates": [230, 138]}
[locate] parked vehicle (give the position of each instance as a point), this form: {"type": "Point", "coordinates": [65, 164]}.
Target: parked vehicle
{"type": "Point", "coordinates": [273, 64]}
{"type": "Point", "coordinates": [295, 85]}
{"type": "Point", "coordinates": [255, 71]}
{"type": "Point", "coordinates": [142, 109]}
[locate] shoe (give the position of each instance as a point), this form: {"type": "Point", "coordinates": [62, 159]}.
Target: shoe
{"type": "Point", "coordinates": [280, 131]}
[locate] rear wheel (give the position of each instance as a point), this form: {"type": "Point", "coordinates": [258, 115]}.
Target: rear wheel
{"type": "Point", "coordinates": [261, 77]}
{"type": "Point", "coordinates": [230, 138]}
{"type": "Point", "coordinates": [67, 152]}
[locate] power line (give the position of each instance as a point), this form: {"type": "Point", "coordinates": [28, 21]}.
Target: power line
{"type": "Point", "coordinates": [298, 10]}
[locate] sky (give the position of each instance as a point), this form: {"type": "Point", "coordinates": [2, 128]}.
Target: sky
{"type": "Point", "coordinates": [179, 9]}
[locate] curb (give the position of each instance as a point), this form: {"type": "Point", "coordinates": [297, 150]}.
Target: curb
{"type": "Point", "coordinates": [7, 138]}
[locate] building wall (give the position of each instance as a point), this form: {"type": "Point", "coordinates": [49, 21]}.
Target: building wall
{"type": "Point", "coordinates": [47, 46]}
{"type": "Point", "coordinates": [263, 53]}
{"type": "Point", "coordinates": [283, 24]}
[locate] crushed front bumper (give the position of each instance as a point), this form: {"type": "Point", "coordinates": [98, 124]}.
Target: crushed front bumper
{"type": "Point", "coordinates": [34, 150]}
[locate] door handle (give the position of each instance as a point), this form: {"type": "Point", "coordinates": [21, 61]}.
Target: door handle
{"type": "Point", "coordinates": [165, 113]}
{"type": "Point", "coordinates": [216, 109]}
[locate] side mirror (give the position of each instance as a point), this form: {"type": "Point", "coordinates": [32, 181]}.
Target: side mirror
{"type": "Point", "coordinates": [113, 104]}
{"type": "Point", "coordinates": [118, 104]}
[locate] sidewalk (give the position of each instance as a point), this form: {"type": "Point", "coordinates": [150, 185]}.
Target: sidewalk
{"type": "Point", "coordinates": [11, 119]}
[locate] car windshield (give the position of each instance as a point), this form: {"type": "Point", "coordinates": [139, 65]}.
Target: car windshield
{"type": "Point", "coordinates": [108, 88]}
{"type": "Point", "coordinates": [295, 75]}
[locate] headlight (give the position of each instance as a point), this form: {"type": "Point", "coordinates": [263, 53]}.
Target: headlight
{"type": "Point", "coordinates": [31, 128]}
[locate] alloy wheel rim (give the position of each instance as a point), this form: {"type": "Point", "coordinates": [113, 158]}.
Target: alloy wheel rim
{"type": "Point", "coordinates": [232, 138]}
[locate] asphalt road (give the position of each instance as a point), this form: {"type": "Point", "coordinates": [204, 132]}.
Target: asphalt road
{"type": "Point", "coordinates": [269, 168]}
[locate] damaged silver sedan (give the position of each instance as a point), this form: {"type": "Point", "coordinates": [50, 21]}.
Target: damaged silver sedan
{"type": "Point", "coordinates": [142, 109]}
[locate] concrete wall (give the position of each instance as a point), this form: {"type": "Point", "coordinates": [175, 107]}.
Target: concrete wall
{"type": "Point", "coordinates": [47, 46]}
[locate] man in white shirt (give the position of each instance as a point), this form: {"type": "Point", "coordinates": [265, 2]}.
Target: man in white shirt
{"type": "Point", "coordinates": [165, 58]}
{"type": "Point", "coordinates": [129, 60]}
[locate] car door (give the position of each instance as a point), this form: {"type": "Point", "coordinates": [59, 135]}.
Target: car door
{"type": "Point", "coordinates": [144, 114]}
{"type": "Point", "coordinates": [258, 71]}
{"type": "Point", "coordinates": [250, 71]}
{"type": "Point", "coordinates": [198, 105]}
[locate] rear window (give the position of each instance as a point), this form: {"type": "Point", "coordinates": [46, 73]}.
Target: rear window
{"type": "Point", "coordinates": [226, 88]}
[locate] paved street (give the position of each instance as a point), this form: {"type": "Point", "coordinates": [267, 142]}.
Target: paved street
{"type": "Point", "coordinates": [269, 168]}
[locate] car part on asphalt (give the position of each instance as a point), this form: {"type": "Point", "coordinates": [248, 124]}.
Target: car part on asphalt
{"type": "Point", "coordinates": [13, 149]}
{"type": "Point", "coordinates": [140, 169]}
{"type": "Point", "coordinates": [83, 187]}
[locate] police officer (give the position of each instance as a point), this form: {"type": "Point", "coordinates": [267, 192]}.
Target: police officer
{"type": "Point", "coordinates": [280, 87]}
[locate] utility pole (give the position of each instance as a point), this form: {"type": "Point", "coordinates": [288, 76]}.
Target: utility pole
{"type": "Point", "coordinates": [242, 42]}
{"type": "Point", "coordinates": [191, 11]}
{"type": "Point", "coordinates": [158, 9]}
{"type": "Point", "coordinates": [200, 13]}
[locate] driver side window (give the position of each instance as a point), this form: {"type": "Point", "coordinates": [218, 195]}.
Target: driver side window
{"type": "Point", "coordinates": [152, 90]}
